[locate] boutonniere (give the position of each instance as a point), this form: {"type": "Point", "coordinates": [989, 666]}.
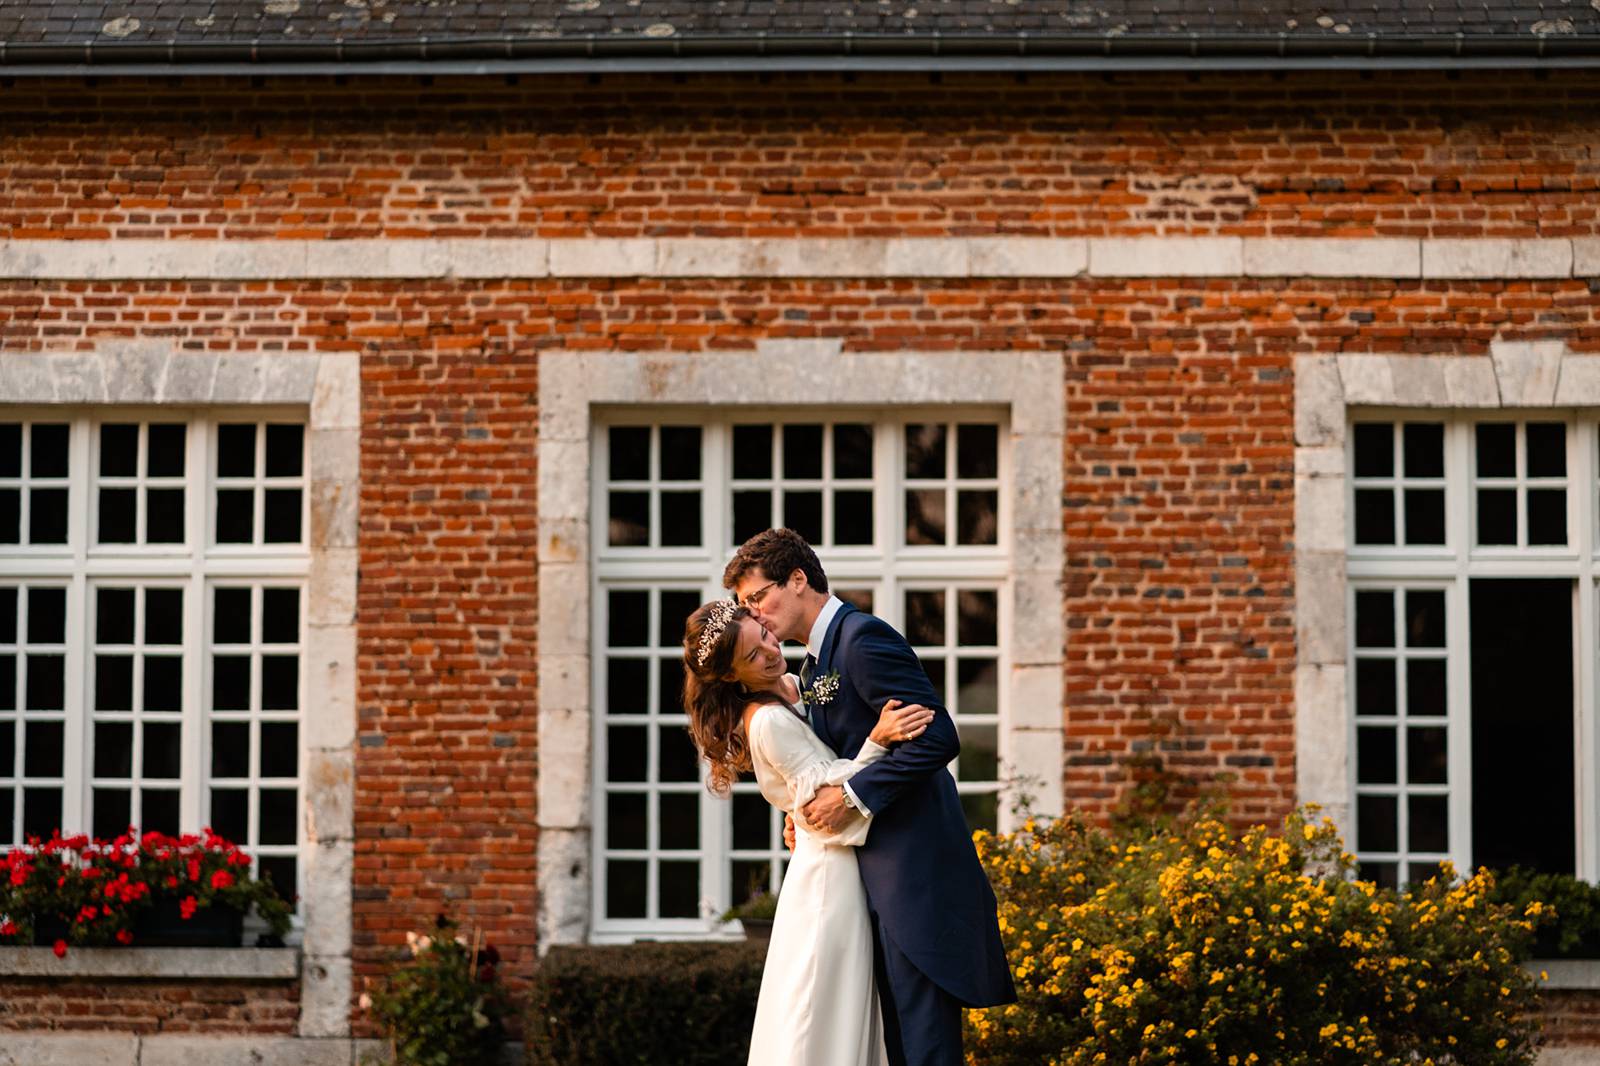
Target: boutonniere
{"type": "Point", "coordinates": [822, 689]}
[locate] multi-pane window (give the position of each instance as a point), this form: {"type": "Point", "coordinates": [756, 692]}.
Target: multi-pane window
{"type": "Point", "coordinates": [253, 720]}
{"type": "Point", "coordinates": [33, 483]}
{"type": "Point", "coordinates": [814, 477]}
{"type": "Point", "coordinates": [952, 483]}
{"type": "Point", "coordinates": [136, 706]}
{"type": "Point", "coordinates": [652, 825]}
{"type": "Point", "coordinates": [955, 631]}
{"type": "Point", "coordinates": [1520, 483]}
{"type": "Point", "coordinates": [1399, 483]}
{"type": "Point", "coordinates": [905, 510]}
{"type": "Point", "coordinates": [151, 580]}
{"type": "Point", "coordinates": [33, 655]}
{"type": "Point", "coordinates": [1473, 573]}
{"type": "Point", "coordinates": [1402, 728]}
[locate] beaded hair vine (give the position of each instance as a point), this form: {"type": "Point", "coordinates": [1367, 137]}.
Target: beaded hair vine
{"type": "Point", "coordinates": [717, 619]}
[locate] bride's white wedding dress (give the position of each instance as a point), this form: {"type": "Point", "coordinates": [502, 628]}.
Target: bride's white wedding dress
{"type": "Point", "coordinates": [819, 1001]}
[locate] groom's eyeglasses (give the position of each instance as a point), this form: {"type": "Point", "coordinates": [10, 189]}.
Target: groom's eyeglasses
{"type": "Point", "coordinates": [755, 598]}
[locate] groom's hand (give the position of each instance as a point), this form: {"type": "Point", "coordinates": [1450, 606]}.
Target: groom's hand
{"type": "Point", "coordinates": [788, 831]}
{"type": "Point", "coordinates": [827, 811]}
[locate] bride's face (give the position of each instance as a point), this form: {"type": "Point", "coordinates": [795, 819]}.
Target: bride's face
{"type": "Point", "coordinates": [757, 657]}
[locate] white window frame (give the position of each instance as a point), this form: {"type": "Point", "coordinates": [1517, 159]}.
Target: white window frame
{"type": "Point", "coordinates": [794, 377]}
{"type": "Point", "coordinates": [195, 566]}
{"type": "Point", "coordinates": [1516, 381]}
{"type": "Point", "coordinates": [887, 566]}
{"type": "Point", "coordinates": [1453, 566]}
{"type": "Point", "coordinates": [121, 375]}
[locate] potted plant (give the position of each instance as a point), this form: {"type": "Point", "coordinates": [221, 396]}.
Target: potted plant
{"type": "Point", "coordinates": [755, 914]}
{"type": "Point", "coordinates": [148, 888]}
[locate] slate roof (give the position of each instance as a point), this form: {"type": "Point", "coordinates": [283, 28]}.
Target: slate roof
{"type": "Point", "coordinates": [165, 31]}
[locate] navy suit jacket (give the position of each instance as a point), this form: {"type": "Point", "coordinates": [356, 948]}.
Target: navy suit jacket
{"type": "Point", "coordinates": [921, 872]}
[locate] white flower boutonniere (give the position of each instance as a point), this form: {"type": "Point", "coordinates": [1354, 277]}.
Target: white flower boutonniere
{"type": "Point", "coordinates": [822, 689]}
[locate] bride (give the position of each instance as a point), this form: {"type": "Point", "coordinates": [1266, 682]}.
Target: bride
{"type": "Point", "coordinates": [818, 1003]}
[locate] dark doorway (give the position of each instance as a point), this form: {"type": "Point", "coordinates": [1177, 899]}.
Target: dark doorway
{"type": "Point", "coordinates": [1523, 808]}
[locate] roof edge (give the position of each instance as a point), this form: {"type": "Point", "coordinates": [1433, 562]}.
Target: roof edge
{"type": "Point", "coordinates": [823, 53]}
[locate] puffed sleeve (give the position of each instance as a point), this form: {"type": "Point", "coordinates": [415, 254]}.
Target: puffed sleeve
{"type": "Point", "coordinates": [789, 747]}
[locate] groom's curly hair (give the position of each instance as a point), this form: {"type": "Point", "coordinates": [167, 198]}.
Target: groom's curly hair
{"type": "Point", "coordinates": [778, 553]}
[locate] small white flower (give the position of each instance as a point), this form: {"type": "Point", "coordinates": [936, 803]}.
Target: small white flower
{"type": "Point", "coordinates": [365, 1002]}
{"type": "Point", "coordinates": [823, 688]}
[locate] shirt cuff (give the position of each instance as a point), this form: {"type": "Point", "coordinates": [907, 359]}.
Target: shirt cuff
{"type": "Point", "coordinates": [862, 807]}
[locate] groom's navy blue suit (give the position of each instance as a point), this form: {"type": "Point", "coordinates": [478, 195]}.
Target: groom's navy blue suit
{"type": "Point", "coordinates": [936, 934]}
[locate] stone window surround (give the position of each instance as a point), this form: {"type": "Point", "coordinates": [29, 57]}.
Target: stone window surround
{"type": "Point", "coordinates": [328, 388]}
{"type": "Point", "coordinates": [571, 383]}
{"type": "Point", "coordinates": [1514, 375]}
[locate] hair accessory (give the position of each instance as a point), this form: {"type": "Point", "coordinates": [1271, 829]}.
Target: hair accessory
{"type": "Point", "coordinates": [717, 619]}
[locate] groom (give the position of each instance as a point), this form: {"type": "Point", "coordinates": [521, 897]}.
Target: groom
{"type": "Point", "coordinates": [936, 940]}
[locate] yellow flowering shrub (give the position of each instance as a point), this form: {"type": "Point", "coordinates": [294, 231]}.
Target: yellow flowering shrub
{"type": "Point", "coordinates": [1192, 944]}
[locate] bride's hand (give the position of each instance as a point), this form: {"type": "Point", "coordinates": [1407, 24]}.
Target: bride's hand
{"type": "Point", "coordinates": [898, 723]}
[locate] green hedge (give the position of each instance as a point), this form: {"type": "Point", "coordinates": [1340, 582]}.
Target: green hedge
{"type": "Point", "coordinates": [1574, 933]}
{"type": "Point", "coordinates": [690, 1004]}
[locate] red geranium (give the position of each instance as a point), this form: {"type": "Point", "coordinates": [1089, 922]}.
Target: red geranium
{"type": "Point", "coordinates": [99, 889]}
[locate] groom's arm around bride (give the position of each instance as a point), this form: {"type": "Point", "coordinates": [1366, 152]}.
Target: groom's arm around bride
{"type": "Point", "coordinates": [880, 666]}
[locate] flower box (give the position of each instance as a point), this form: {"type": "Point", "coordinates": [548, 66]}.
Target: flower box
{"type": "Point", "coordinates": [47, 929]}
{"type": "Point", "coordinates": [145, 889]}
{"type": "Point", "coordinates": [163, 926]}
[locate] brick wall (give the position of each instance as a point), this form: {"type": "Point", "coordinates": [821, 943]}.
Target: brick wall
{"type": "Point", "coordinates": [1178, 504]}
{"type": "Point", "coordinates": [1307, 155]}
{"type": "Point", "coordinates": [446, 758]}
{"type": "Point", "coordinates": [1571, 1018]}
{"type": "Point", "coordinates": [149, 1006]}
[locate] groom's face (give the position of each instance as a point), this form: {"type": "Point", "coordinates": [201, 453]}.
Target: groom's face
{"type": "Point", "coordinates": [773, 603]}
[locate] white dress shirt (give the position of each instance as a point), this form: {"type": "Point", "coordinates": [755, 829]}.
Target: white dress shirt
{"type": "Point", "coordinates": [819, 630]}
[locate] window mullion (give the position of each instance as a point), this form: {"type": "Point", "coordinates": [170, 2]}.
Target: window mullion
{"type": "Point", "coordinates": [197, 630]}
{"type": "Point", "coordinates": [890, 506]}
{"type": "Point", "coordinates": [1458, 642]}
{"type": "Point", "coordinates": [716, 498]}
{"type": "Point", "coordinates": [1400, 475]}
{"type": "Point", "coordinates": [1581, 482]}
{"type": "Point", "coordinates": [75, 769]}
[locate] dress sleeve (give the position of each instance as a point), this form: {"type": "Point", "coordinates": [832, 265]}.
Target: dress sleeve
{"type": "Point", "coordinates": [789, 747]}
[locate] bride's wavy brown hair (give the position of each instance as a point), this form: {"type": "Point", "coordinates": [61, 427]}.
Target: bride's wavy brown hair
{"type": "Point", "coordinates": [715, 706]}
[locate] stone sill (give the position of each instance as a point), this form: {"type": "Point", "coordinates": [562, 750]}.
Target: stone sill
{"type": "Point", "coordinates": [204, 964]}
{"type": "Point", "coordinates": [1566, 973]}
